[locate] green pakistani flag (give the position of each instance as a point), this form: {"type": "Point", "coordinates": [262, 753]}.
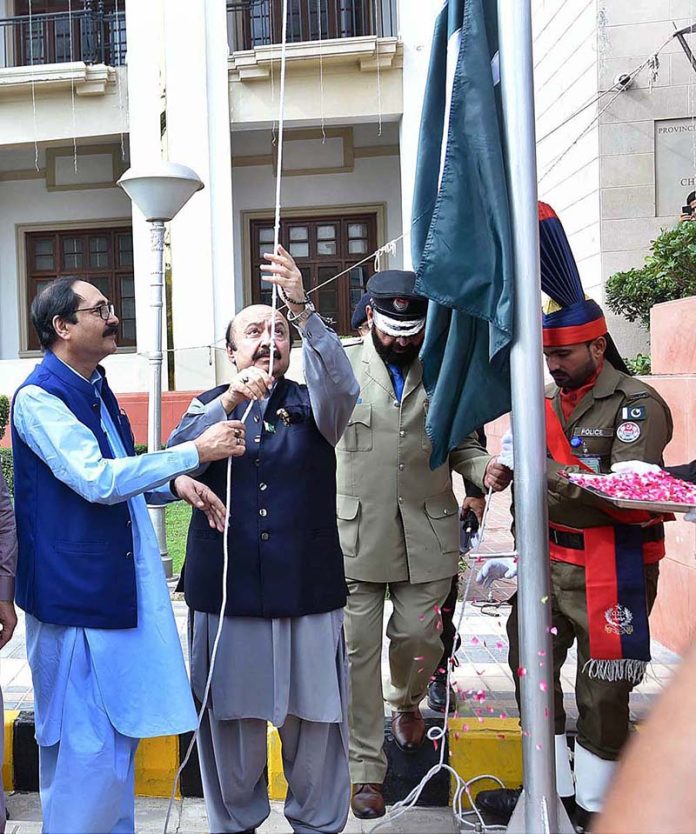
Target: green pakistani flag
{"type": "Point", "coordinates": [461, 241]}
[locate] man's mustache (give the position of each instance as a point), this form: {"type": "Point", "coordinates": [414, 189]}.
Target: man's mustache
{"type": "Point", "coordinates": [263, 352]}
{"type": "Point", "coordinates": [111, 330]}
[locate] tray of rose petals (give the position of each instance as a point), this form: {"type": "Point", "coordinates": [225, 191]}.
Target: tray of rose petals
{"type": "Point", "coordinates": [656, 492]}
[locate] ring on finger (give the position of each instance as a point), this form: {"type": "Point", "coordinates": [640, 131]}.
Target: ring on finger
{"type": "Point", "coordinates": [237, 433]}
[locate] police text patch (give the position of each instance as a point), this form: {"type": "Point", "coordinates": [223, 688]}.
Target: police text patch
{"type": "Point", "coordinates": [587, 431]}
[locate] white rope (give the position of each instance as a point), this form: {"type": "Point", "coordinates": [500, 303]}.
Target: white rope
{"type": "Point", "coordinates": [388, 248]}
{"type": "Point", "coordinates": [119, 73]}
{"type": "Point", "coordinates": [589, 127]}
{"type": "Point", "coordinates": [228, 496]}
{"type": "Point", "coordinates": [279, 175]}
{"type": "Point", "coordinates": [379, 88]}
{"type": "Point", "coordinates": [72, 86]}
{"type": "Point", "coordinates": [321, 75]}
{"type": "Point", "coordinates": [438, 736]}
{"type": "Point", "coordinates": [33, 85]}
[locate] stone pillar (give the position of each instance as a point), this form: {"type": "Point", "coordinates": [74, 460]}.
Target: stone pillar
{"type": "Point", "coordinates": [198, 135]}
{"type": "Point", "coordinates": [673, 353]}
{"type": "Point", "coordinates": [6, 54]}
{"type": "Point", "coordinates": [415, 22]}
{"type": "Point", "coordinates": [145, 38]}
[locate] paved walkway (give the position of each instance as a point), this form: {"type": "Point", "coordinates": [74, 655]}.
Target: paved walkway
{"type": "Point", "coordinates": [482, 656]}
{"type": "Point", "coordinates": [482, 679]}
{"type": "Point", "coordinates": [188, 817]}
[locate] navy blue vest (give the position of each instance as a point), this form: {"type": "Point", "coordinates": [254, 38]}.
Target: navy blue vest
{"type": "Point", "coordinates": [285, 559]}
{"type": "Point", "coordinates": [75, 564]}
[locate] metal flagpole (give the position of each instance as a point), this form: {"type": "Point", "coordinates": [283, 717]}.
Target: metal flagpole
{"type": "Point", "coordinates": [539, 809]}
{"type": "Point", "coordinates": [154, 410]}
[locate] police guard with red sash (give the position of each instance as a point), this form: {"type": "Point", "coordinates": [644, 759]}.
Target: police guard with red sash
{"type": "Point", "coordinates": [604, 561]}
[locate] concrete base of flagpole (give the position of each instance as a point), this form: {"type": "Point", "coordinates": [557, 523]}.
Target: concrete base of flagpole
{"type": "Point", "coordinates": [517, 825]}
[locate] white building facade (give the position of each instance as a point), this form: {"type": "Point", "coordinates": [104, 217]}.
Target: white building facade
{"type": "Point", "coordinates": [91, 87]}
{"type": "Point", "coordinates": [88, 89]}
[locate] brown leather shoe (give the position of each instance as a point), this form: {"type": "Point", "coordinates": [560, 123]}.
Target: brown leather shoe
{"type": "Point", "coordinates": [367, 801]}
{"type": "Point", "coordinates": [408, 729]}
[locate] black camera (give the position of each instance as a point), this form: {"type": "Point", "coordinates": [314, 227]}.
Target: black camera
{"type": "Point", "coordinates": [687, 210]}
{"type": "Point", "coordinates": [469, 528]}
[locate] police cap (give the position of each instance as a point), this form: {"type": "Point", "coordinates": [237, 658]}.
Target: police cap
{"type": "Point", "coordinates": [360, 313]}
{"type": "Point", "coordinates": [393, 294]}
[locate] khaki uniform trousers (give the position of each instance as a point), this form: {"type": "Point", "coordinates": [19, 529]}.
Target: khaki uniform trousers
{"type": "Point", "coordinates": [415, 647]}
{"type": "Point", "coordinates": [603, 706]}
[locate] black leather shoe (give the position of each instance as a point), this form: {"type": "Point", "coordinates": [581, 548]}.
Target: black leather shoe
{"type": "Point", "coordinates": [499, 803]}
{"type": "Point", "coordinates": [570, 806]}
{"type": "Point", "coordinates": [437, 695]}
{"type": "Point", "coordinates": [582, 819]}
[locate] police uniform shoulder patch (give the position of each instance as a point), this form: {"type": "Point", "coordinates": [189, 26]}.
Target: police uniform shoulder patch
{"type": "Point", "coordinates": [634, 412]}
{"type": "Point", "coordinates": [628, 432]}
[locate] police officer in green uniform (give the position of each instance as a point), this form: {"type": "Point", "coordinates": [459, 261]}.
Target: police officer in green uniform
{"type": "Point", "coordinates": [596, 415]}
{"type": "Point", "coordinates": [398, 523]}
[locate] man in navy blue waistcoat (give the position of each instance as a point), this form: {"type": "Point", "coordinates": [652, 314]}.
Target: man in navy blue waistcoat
{"type": "Point", "coordinates": [281, 656]}
{"type": "Point", "coordinates": [102, 643]}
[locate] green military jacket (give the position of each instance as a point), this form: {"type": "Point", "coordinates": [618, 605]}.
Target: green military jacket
{"type": "Point", "coordinates": [397, 518]}
{"type": "Point", "coordinates": [620, 418]}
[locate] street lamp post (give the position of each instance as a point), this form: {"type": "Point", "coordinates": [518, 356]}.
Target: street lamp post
{"type": "Point", "coordinates": [160, 191]}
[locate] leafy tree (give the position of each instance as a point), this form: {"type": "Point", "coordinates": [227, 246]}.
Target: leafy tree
{"type": "Point", "coordinates": [640, 365]}
{"type": "Point", "coordinates": [669, 273]}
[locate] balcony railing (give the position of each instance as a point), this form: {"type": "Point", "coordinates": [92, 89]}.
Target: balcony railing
{"type": "Point", "coordinates": [87, 35]}
{"type": "Point", "coordinates": [253, 23]}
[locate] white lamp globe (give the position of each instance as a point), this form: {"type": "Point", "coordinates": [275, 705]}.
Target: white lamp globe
{"type": "Point", "coordinates": [161, 189]}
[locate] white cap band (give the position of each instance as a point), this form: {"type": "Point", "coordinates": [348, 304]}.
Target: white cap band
{"type": "Point", "coordinates": [396, 327]}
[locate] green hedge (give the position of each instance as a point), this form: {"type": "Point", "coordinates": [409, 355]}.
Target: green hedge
{"type": "Point", "coordinates": [669, 273]}
{"type": "Point", "coordinates": [6, 454]}
{"type": "Point", "coordinates": [4, 414]}
{"type": "Point", "coordinates": [6, 465]}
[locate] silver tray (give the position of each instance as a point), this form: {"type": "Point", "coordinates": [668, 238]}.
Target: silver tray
{"type": "Point", "coordinates": [634, 504]}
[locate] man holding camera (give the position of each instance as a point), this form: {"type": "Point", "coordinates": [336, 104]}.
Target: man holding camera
{"type": "Point", "coordinates": [688, 208]}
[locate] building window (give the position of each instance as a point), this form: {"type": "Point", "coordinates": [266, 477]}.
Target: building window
{"type": "Point", "coordinates": [322, 247]}
{"type": "Point", "coordinates": [103, 257]}
{"type": "Point", "coordinates": [260, 22]}
{"type": "Point", "coordinates": [57, 32]}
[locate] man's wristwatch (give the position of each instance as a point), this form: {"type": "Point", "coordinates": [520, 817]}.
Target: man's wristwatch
{"type": "Point", "coordinates": [300, 318]}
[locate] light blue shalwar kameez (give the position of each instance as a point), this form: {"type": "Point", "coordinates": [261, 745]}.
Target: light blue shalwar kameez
{"type": "Point", "coordinates": [97, 692]}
